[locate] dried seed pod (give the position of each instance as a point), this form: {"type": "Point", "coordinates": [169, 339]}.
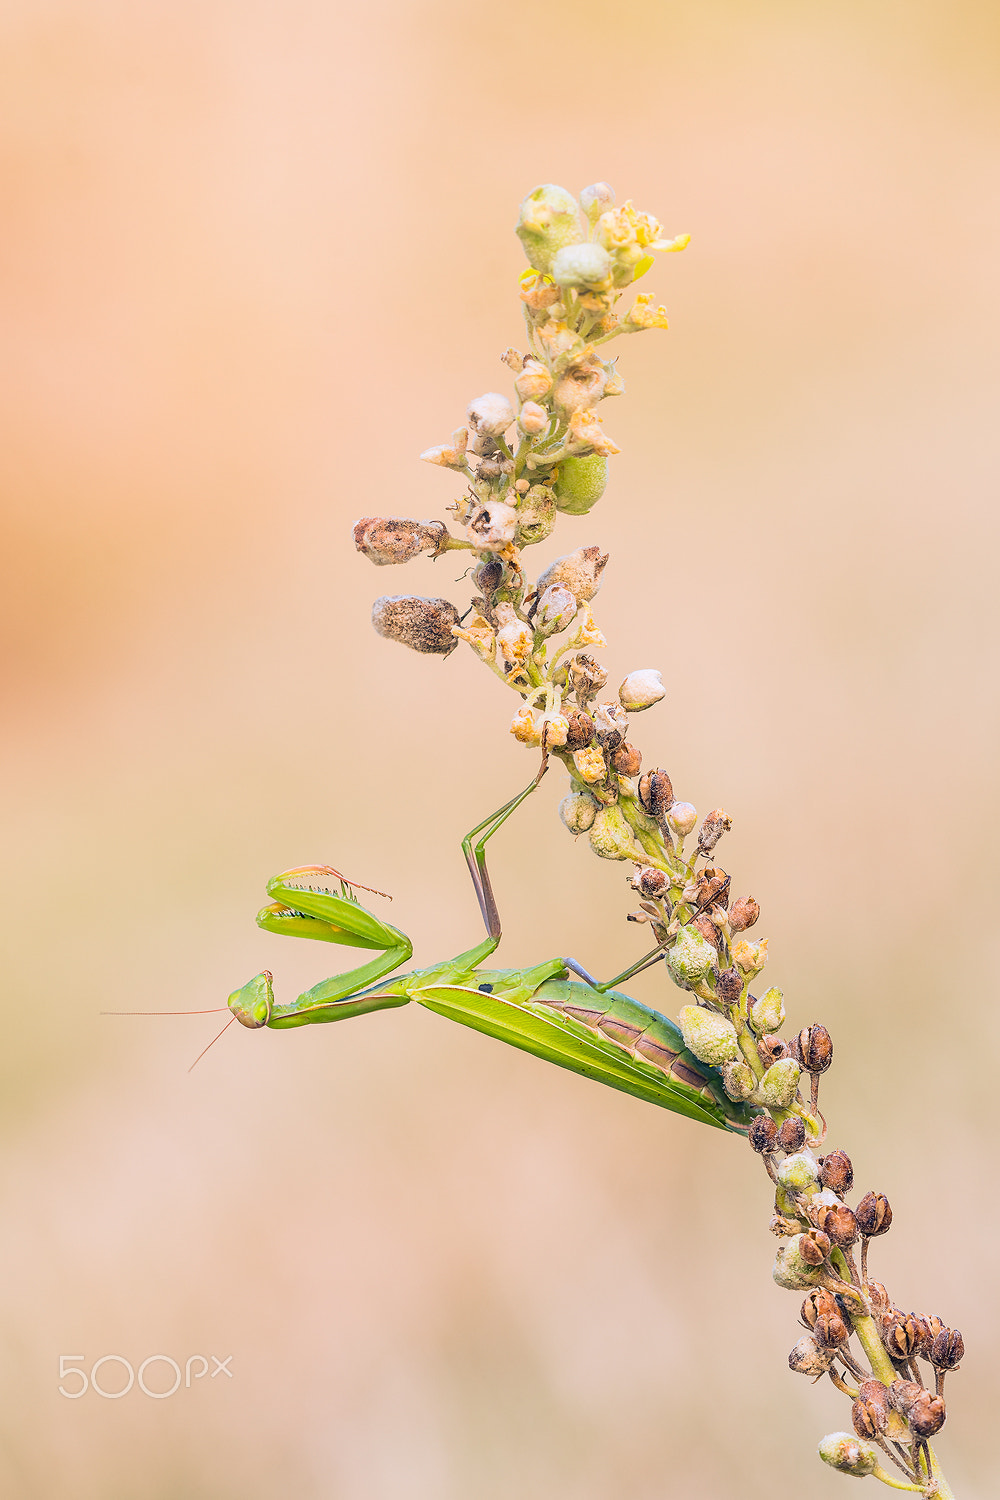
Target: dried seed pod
{"type": "Point", "coordinates": [792, 1134]}
{"type": "Point", "coordinates": [715, 825]}
{"type": "Point", "coordinates": [836, 1171]}
{"type": "Point", "coordinates": [743, 913]}
{"type": "Point", "coordinates": [651, 883]}
{"type": "Point", "coordinates": [706, 926]}
{"type": "Point", "coordinates": [422, 624]}
{"type": "Point", "coordinates": [610, 725]}
{"type": "Point", "coordinates": [586, 676]}
{"type": "Point", "coordinates": [903, 1394]}
{"type": "Point", "coordinates": [870, 1414]}
{"type": "Point", "coordinates": [808, 1358]}
{"type": "Point", "coordinates": [841, 1225]}
{"type": "Point", "coordinates": [627, 760]}
{"type": "Point", "coordinates": [580, 571]}
{"type": "Point", "coordinates": [814, 1245]}
{"type": "Point", "coordinates": [876, 1394]}
{"type": "Point", "coordinates": [901, 1336]}
{"type": "Point", "coordinates": [830, 1331]}
{"type": "Point", "coordinates": [877, 1295]}
{"type": "Point", "coordinates": [813, 1048]}
{"type": "Point", "coordinates": [488, 576]}
{"type": "Point", "coordinates": [655, 792]}
{"type": "Point", "coordinates": [385, 540]}
{"type": "Point", "coordinates": [926, 1415]}
{"type": "Point", "coordinates": [580, 732]}
{"type": "Point", "coordinates": [818, 1302]}
{"type": "Point", "coordinates": [763, 1134]}
{"type": "Point", "coordinates": [729, 986]}
{"type": "Point", "coordinates": [847, 1453]}
{"type": "Point", "coordinates": [873, 1215]}
{"type": "Point", "coordinates": [772, 1049]}
{"type": "Point", "coordinates": [947, 1349]}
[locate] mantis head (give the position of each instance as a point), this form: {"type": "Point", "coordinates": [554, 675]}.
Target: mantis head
{"type": "Point", "coordinates": [251, 1005]}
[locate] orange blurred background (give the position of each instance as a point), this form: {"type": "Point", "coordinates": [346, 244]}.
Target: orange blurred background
{"type": "Point", "coordinates": [255, 258]}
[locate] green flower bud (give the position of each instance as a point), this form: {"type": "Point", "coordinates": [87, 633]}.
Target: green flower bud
{"type": "Point", "coordinates": [581, 483]}
{"type": "Point", "coordinates": [779, 1084]}
{"type": "Point", "coordinates": [549, 219]}
{"type": "Point", "coordinates": [849, 1454]}
{"type": "Point", "coordinates": [692, 957]}
{"type": "Point", "coordinates": [768, 1012]}
{"type": "Point", "coordinates": [585, 264]}
{"type": "Point", "coordinates": [578, 811]}
{"type": "Point", "coordinates": [738, 1080]}
{"type": "Point", "coordinates": [610, 836]}
{"type": "Point", "coordinates": [791, 1271]}
{"type": "Point", "coordinates": [708, 1035]}
{"type": "Point", "coordinates": [799, 1173]}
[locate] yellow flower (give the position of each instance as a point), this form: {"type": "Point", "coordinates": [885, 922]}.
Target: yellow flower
{"type": "Point", "coordinates": [587, 428]}
{"type": "Point", "coordinates": [645, 315]}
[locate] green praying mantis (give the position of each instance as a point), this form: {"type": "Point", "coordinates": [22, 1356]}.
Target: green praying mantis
{"type": "Point", "coordinates": [590, 1028]}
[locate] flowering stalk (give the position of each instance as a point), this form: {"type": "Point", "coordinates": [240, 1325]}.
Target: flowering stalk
{"type": "Point", "coordinates": [522, 461]}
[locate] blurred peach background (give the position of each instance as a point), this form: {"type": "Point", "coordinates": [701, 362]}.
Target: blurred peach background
{"type": "Point", "coordinates": [256, 257]}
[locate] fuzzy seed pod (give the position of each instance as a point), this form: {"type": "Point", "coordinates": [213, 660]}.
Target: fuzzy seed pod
{"type": "Point", "coordinates": [873, 1215]}
{"type": "Point", "coordinates": [536, 516]}
{"type": "Point", "coordinates": [763, 1134]}
{"type": "Point", "coordinates": [791, 1269]}
{"type": "Point", "coordinates": [587, 677]}
{"type": "Point", "coordinates": [610, 725]}
{"type": "Point", "coordinates": [655, 792]}
{"type": "Point", "coordinates": [743, 913]}
{"type": "Point", "coordinates": [580, 571]}
{"type": "Point", "coordinates": [580, 483]}
{"type": "Point", "coordinates": [490, 415]}
{"type": "Point", "coordinates": [386, 540]}
{"type": "Point", "coordinates": [817, 1303]}
{"type": "Point", "coordinates": [709, 1036]}
{"type": "Point", "coordinates": [590, 765]}
{"type": "Point", "coordinates": [651, 883]}
{"type": "Point", "coordinates": [691, 959]}
{"type": "Point", "coordinates": [556, 610]}
{"type": "Point", "coordinates": [578, 811]}
{"type": "Point", "coordinates": [836, 1171]}
{"type": "Point", "coordinates": [532, 418]}
{"type": "Point", "coordinates": [772, 1049]}
{"type": "Point", "coordinates": [422, 624]}
{"type": "Point", "coordinates": [798, 1173]}
{"type": "Point", "coordinates": [768, 1012]}
{"type": "Point", "coordinates": [831, 1331]}
{"type": "Point", "coordinates": [807, 1358]}
{"type": "Point", "coordinates": [738, 1081]}
{"type": "Point", "coordinates": [840, 1224]}
{"type": "Point", "coordinates": [844, 1451]}
{"type": "Point", "coordinates": [779, 1084]}
{"type": "Point", "coordinates": [792, 1134]}
{"type": "Point", "coordinates": [813, 1048]}
{"type": "Point", "coordinates": [682, 817]}
{"type": "Point", "coordinates": [729, 986]}
{"type": "Point", "coordinates": [611, 836]}
{"type": "Point", "coordinates": [534, 381]}
{"type": "Point", "coordinates": [947, 1349]}
{"type": "Point", "coordinates": [548, 220]}
{"type": "Point", "coordinates": [580, 732]}
{"type": "Point", "coordinates": [641, 690]}
{"type": "Point", "coordinates": [627, 760]}
{"type": "Point", "coordinates": [712, 829]}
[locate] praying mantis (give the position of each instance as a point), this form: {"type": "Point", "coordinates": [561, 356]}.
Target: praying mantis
{"type": "Point", "coordinates": [590, 1028]}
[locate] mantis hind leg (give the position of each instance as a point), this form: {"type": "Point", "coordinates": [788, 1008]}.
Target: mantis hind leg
{"type": "Point", "coordinates": [475, 858]}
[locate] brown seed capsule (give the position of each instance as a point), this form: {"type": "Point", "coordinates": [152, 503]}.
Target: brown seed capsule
{"type": "Point", "coordinates": [390, 539]}
{"type": "Point", "coordinates": [422, 624]}
{"type": "Point", "coordinates": [772, 1049]}
{"type": "Point", "coordinates": [836, 1171]}
{"type": "Point", "coordinates": [814, 1247]}
{"type": "Point", "coordinates": [930, 1327]}
{"type": "Point", "coordinates": [743, 914]}
{"type": "Point", "coordinates": [651, 883]}
{"type": "Point", "coordinates": [817, 1302]}
{"type": "Point", "coordinates": [711, 888]}
{"type": "Point", "coordinates": [947, 1349]}
{"type": "Point", "coordinates": [792, 1134]}
{"type": "Point", "coordinates": [729, 986]}
{"type": "Point", "coordinates": [830, 1331]}
{"type": "Point", "coordinates": [841, 1225]}
{"type": "Point", "coordinates": [655, 792]}
{"type": "Point", "coordinates": [763, 1133]}
{"type": "Point", "coordinates": [714, 826]}
{"type": "Point", "coordinates": [579, 731]}
{"type": "Point", "coordinates": [813, 1048]}
{"type": "Point", "coordinates": [874, 1393]}
{"type": "Point", "coordinates": [708, 930]}
{"type": "Point", "coordinates": [902, 1395]}
{"type": "Point", "coordinates": [926, 1415]}
{"type": "Point", "coordinates": [867, 1419]}
{"type": "Point", "coordinates": [488, 576]}
{"type": "Point", "coordinates": [627, 760]}
{"type": "Point", "coordinates": [807, 1358]}
{"type": "Point", "coordinates": [873, 1215]}
{"type": "Point", "coordinates": [877, 1295]}
{"type": "Point", "coordinates": [587, 677]}
{"type": "Point", "coordinates": [901, 1336]}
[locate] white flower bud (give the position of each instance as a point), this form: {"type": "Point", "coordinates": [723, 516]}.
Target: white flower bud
{"type": "Point", "coordinates": [597, 199]}
{"type": "Point", "coordinates": [533, 382]}
{"type": "Point", "coordinates": [682, 818]}
{"type": "Point", "coordinates": [578, 811]}
{"type": "Point", "coordinates": [548, 220]}
{"type": "Point", "coordinates": [492, 526]}
{"type": "Point", "coordinates": [556, 609]}
{"type": "Point", "coordinates": [490, 415]}
{"type": "Point", "coordinates": [585, 264]}
{"type": "Point", "coordinates": [641, 690]}
{"type": "Point", "coordinates": [799, 1173]}
{"type": "Point", "coordinates": [532, 418]}
{"type": "Point", "coordinates": [709, 1036]}
{"type": "Point", "coordinates": [526, 727]}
